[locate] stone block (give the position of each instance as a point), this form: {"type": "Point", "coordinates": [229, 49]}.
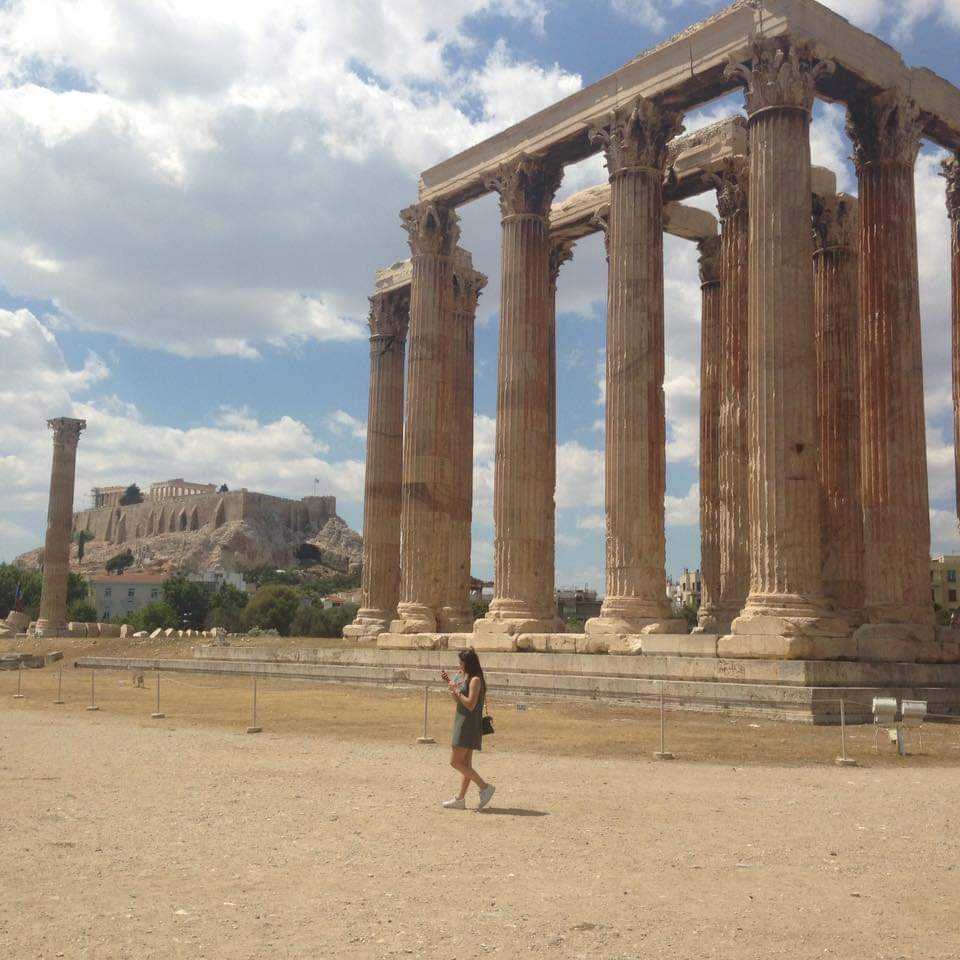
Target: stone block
{"type": "Point", "coordinates": [156, 633]}
{"type": "Point", "coordinates": [897, 643]}
{"type": "Point", "coordinates": [680, 645]}
{"type": "Point", "coordinates": [76, 629]}
{"type": "Point", "coordinates": [626, 645]}
{"type": "Point", "coordinates": [142, 633]}
{"type": "Point", "coordinates": [111, 630]}
{"type": "Point", "coordinates": [774, 626]}
{"type": "Point", "coordinates": [494, 643]}
{"type": "Point", "coordinates": [52, 657]}
{"type": "Point", "coordinates": [125, 631]}
{"type": "Point", "coordinates": [547, 642]}
{"type": "Point", "coordinates": [408, 641]}
{"type": "Point", "coordinates": [169, 632]}
{"type": "Point", "coordinates": [516, 627]}
{"type": "Point", "coordinates": [778, 647]}
{"type": "Point", "coordinates": [591, 645]}
{"type": "Point", "coordinates": [93, 629]}
{"type": "Point", "coordinates": [6, 633]}
{"type": "Point", "coordinates": [17, 621]}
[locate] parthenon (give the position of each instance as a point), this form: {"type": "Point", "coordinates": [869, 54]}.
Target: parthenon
{"type": "Point", "coordinates": [814, 509]}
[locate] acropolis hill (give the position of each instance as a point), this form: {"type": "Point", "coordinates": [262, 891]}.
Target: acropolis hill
{"type": "Point", "coordinates": [185, 525]}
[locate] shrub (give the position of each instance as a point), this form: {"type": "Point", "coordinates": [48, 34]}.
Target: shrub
{"type": "Point", "coordinates": [82, 611]}
{"type": "Point", "coordinates": [315, 621]}
{"type": "Point", "coordinates": [273, 606]}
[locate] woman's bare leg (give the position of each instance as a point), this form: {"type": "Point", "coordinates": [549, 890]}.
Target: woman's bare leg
{"type": "Point", "coordinates": [470, 774]}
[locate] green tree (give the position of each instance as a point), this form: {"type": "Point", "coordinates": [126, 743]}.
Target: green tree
{"type": "Point", "coordinates": [30, 583]}
{"type": "Point", "coordinates": [226, 608]}
{"type": "Point", "coordinates": [190, 598]}
{"type": "Point", "coordinates": [82, 611]}
{"type": "Point", "coordinates": [83, 537]}
{"type": "Point", "coordinates": [272, 607]}
{"type": "Point", "coordinates": [153, 616]}
{"type": "Point", "coordinates": [119, 562]}
{"type": "Point", "coordinates": [317, 621]}
{"type": "Point", "coordinates": [131, 495]}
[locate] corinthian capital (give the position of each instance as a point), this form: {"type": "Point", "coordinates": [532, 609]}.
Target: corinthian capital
{"type": "Point", "coordinates": [731, 180]}
{"type": "Point", "coordinates": [66, 430]}
{"type": "Point", "coordinates": [390, 316]}
{"type": "Point", "coordinates": [431, 228]}
{"type": "Point", "coordinates": [635, 137]}
{"type": "Point", "coordinates": [836, 222]}
{"type": "Point", "coordinates": [709, 259]}
{"type": "Point", "coordinates": [950, 168]}
{"type": "Point", "coordinates": [782, 74]}
{"type": "Point", "coordinates": [561, 251]}
{"type": "Point", "coordinates": [884, 128]}
{"type": "Point", "coordinates": [467, 285]}
{"type": "Point", "coordinates": [526, 185]}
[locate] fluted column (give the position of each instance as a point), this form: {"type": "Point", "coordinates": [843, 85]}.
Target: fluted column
{"type": "Point", "coordinates": [710, 358]}
{"type": "Point", "coordinates": [467, 284]}
{"type": "Point", "coordinates": [382, 490]}
{"type": "Point", "coordinates": [733, 470]}
{"type": "Point", "coordinates": [951, 170]}
{"type": "Point", "coordinates": [52, 621]}
{"type": "Point", "coordinates": [885, 131]}
{"type": "Point", "coordinates": [523, 498]}
{"type": "Point", "coordinates": [786, 614]}
{"type": "Point", "coordinates": [635, 143]}
{"type": "Point", "coordinates": [837, 317]}
{"type": "Point", "coordinates": [427, 476]}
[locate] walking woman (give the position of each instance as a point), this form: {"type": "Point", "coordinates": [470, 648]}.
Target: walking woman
{"type": "Point", "coordinates": [469, 695]}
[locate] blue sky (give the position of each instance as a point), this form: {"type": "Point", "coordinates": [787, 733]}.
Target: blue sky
{"type": "Point", "coordinates": [196, 197]}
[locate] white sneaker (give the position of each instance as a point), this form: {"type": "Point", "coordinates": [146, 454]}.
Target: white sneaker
{"type": "Point", "coordinates": [486, 795]}
{"type": "Point", "coordinates": [454, 803]}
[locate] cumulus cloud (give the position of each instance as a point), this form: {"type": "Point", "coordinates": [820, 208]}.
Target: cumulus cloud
{"type": "Point", "coordinates": [208, 179]}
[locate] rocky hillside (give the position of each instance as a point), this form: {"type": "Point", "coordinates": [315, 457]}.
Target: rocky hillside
{"type": "Point", "coordinates": [237, 545]}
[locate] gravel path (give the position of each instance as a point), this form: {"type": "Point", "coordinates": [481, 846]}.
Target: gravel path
{"type": "Point", "coordinates": [122, 838]}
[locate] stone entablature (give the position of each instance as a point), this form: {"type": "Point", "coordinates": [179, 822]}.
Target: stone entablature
{"type": "Point", "coordinates": [170, 489]}
{"type": "Point", "coordinates": [197, 511]}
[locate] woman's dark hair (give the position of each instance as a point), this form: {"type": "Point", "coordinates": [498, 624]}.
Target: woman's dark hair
{"type": "Point", "coordinates": [471, 663]}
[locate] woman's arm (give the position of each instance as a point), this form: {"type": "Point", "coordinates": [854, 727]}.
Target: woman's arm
{"type": "Point", "coordinates": [473, 695]}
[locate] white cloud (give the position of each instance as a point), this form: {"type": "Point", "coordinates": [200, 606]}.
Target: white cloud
{"type": "Point", "coordinates": [684, 511]}
{"type": "Point", "coordinates": [342, 423]}
{"type": "Point", "coordinates": [222, 176]}
{"type": "Point", "coordinates": [944, 533]}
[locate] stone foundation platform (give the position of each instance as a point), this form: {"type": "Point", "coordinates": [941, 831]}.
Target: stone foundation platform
{"type": "Point", "coordinates": [797, 690]}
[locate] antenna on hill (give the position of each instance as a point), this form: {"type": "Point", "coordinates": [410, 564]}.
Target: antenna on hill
{"type": "Point", "coordinates": [316, 486]}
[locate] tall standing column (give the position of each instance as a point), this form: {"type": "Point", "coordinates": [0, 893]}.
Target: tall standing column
{"type": "Point", "coordinates": [52, 621]}
{"type": "Point", "coordinates": [787, 614]}
{"type": "Point", "coordinates": [382, 492]}
{"type": "Point", "coordinates": [467, 284]}
{"type": "Point", "coordinates": [635, 142]}
{"type": "Point", "coordinates": [885, 131]}
{"type": "Point", "coordinates": [837, 317]}
{"type": "Point", "coordinates": [951, 170]}
{"type": "Point", "coordinates": [732, 190]}
{"type": "Point", "coordinates": [707, 620]}
{"type": "Point", "coordinates": [523, 497]}
{"type": "Point", "coordinates": [427, 476]}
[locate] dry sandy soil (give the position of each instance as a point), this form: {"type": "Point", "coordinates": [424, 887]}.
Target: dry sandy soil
{"type": "Point", "coordinates": [126, 837]}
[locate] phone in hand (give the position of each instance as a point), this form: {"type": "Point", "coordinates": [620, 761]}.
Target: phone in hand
{"type": "Point", "coordinates": [444, 676]}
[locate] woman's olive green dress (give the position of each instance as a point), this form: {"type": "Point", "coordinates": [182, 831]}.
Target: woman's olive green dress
{"type": "Point", "coordinates": [468, 724]}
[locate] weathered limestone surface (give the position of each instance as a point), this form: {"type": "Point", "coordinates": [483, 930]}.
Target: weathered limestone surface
{"type": "Point", "coordinates": [786, 593]}
{"type": "Point", "coordinates": [885, 131]}
{"type": "Point", "coordinates": [389, 319]}
{"type": "Point", "coordinates": [523, 489]}
{"type": "Point", "coordinates": [707, 621]}
{"type": "Point", "coordinates": [52, 621]}
{"type": "Point", "coordinates": [457, 613]}
{"type": "Point", "coordinates": [837, 317]}
{"type": "Point", "coordinates": [635, 143]}
{"type": "Point", "coordinates": [733, 467]}
{"type": "Point", "coordinates": [951, 170]}
{"type": "Point", "coordinates": [427, 483]}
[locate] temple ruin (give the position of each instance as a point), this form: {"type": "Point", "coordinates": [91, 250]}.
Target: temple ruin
{"type": "Point", "coordinates": [813, 478]}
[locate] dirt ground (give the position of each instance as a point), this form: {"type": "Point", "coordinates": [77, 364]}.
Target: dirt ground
{"type": "Point", "coordinates": [126, 837]}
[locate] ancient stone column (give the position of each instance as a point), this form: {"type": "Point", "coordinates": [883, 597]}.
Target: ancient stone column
{"type": "Point", "coordinates": [427, 475]}
{"type": "Point", "coordinates": [707, 621]}
{"type": "Point", "coordinates": [523, 500]}
{"type": "Point", "coordinates": [733, 473]}
{"type": "Point", "coordinates": [457, 614]}
{"type": "Point", "coordinates": [787, 614]}
{"type": "Point", "coordinates": [52, 621]}
{"type": "Point", "coordinates": [885, 131]}
{"type": "Point", "coordinates": [951, 170]}
{"type": "Point", "coordinates": [382, 492]}
{"type": "Point", "coordinates": [635, 142]}
{"type": "Point", "coordinates": [837, 316]}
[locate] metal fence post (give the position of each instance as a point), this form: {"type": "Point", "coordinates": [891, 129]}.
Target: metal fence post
{"type": "Point", "coordinates": [426, 738]}
{"type": "Point", "coordinates": [253, 728]}
{"type": "Point", "coordinates": [843, 760]}
{"type": "Point", "coordinates": [19, 695]}
{"type": "Point", "coordinates": [59, 686]}
{"type": "Point", "coordinates": [157, 715]}
{"type": "Point", "coordinates": [93, 690]}
{"type": "Point", "coordinates": [662, 753]}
